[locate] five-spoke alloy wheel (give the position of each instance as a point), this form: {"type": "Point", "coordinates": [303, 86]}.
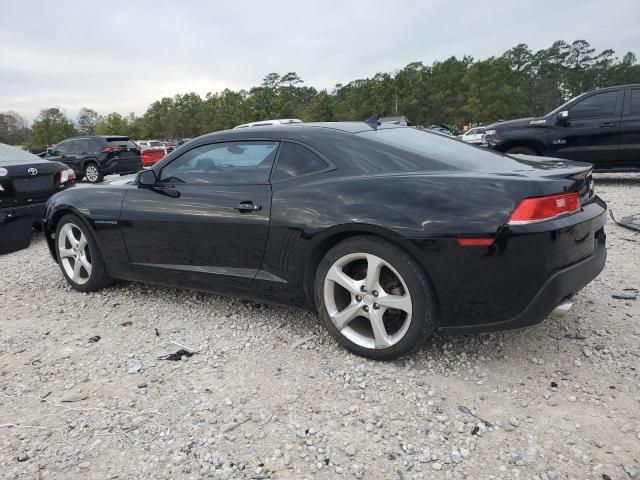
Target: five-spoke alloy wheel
{"type": "Point", "coordinates": [74, 253]}
{"type": "Point", "coordinates": [374, 298]}
{"type": "Point", "coordinates": [78, 255]}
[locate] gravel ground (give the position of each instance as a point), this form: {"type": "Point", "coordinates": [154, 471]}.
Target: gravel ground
{"type": "Point", "coordinates": [270, 396]}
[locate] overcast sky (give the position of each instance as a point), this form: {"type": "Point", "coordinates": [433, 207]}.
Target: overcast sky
{"type": "Point", "coordinates": [122, 55]}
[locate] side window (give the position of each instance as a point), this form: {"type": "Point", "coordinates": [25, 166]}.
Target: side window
{"type": "Point", "coordinates": [63, 147]}
{"type": "Point", "coordinates": [595, 106]}
{"type": "Point", "coordinates": [296, 160]}
{"type": "Point", "coordinates": [635, 101]}
{"type": "Point", "coordinates": [95, 146]}
{"type": "Point", "coordinates": [228, 163]}
{"type": "Point", "coordinates": [82, 146]}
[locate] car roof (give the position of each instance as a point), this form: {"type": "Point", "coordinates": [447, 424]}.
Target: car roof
{"type": "Point", "coordinates": [295, 130]}
{"type": "Point", "coordinates": [614, 87]}
{"type": "Point", "coordinates": [103, 137]}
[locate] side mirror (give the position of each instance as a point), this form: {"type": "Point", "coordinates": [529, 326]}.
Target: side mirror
{"type": "Point", "coordinates": [563, 117]}
{"type": "Point", "coordinates": [51, 151]}
{"type": "Point", "coordinates": [146, 178]}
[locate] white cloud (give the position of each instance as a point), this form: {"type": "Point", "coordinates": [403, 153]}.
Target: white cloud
{"type": "Point", "coordinates": [122, 55]}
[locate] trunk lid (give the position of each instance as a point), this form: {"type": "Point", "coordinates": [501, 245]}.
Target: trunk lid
{"type": "Point", "coordinates": [27, 182]}
{"type": "Point", "coordinates": [580, 174]}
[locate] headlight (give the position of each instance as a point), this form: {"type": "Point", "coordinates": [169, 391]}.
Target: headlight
{"type": "Point", "coordinates": [3, 171]}
{"type": "Point", "coordinates": [490, 132]}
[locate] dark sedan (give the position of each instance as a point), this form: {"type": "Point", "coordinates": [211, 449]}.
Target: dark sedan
{"type": "Point", "coordinates": [26, 182]}
{"type": "Point", "coordinates": [388, 232]}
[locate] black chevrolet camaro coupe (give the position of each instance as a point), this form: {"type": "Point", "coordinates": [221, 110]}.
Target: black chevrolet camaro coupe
{"type": "Point", "coordinates": [388, 232]}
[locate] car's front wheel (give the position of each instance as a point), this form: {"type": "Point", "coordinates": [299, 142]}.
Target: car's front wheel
{"type": "Point", "coordinates": [78, 255]}
{"type": "Point", "coordinates": [374, 298]}
{"type": "Point", "coordinates": [92, 173]}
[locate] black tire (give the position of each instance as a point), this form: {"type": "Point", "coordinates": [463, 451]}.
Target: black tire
{"type": "Point", "coordinates": [98, 278]}
{"type": "Point", "coordinates": [92, 172]}
{"type": "Point", "coordinates": [521, 151]}
{"type": "Point", "coordinates": [424, 320]}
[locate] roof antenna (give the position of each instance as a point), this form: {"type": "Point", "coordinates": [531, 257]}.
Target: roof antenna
{"type": "Point", "coordinates": [373, 121]}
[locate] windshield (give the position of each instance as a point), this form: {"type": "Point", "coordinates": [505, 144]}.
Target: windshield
{"type": "Point", "coordinates": [563, 106]}
{"type": "Point", "coordinates": [13, 154]}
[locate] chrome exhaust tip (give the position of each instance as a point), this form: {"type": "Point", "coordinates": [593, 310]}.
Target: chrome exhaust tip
{"type": "Point", "coordinates": [563, 308]}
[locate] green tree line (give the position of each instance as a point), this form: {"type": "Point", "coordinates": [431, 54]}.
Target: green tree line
{"type": "Point", "coordinates": [456, 91]}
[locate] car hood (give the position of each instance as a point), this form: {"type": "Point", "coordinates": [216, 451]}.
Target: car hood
{"type": "Point", "coordinates": [518, 122]}
{"type": "Point", "coordinates": [123, 180]}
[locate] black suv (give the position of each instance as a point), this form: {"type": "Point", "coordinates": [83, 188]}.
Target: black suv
{"type": "Point", "coordinates": [601, 127]}
{"type": "Point", "coordinates": [94, 157]}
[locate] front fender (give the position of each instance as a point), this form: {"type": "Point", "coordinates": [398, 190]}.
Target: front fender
{"type": "Point", "coordinates": [99, 208]}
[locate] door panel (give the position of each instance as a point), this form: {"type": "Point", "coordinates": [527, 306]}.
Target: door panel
{"type": "Point", "coordinates": [630, 129]}
{"type": "Point", "coordinates": [592, 133]}
{"type": "Point", "coordinates": [200, 239]}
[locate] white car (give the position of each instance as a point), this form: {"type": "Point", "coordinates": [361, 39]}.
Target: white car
{"type": "Point", "coordinates": [151, 145]}
{"type": "Point", "coordinates": [265, 123]}
{"type": "Point", "coordinates": [474, 136]}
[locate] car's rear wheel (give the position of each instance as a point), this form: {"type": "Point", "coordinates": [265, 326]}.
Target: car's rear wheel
{"type": "Point", "coordinates": [521, 151]}
{"type": "Point", "coordinates": [92, 173]}
{"type": "Point", "coordinates": [78, 255]}
{"type": "Point", "coordinates": [374, 298]}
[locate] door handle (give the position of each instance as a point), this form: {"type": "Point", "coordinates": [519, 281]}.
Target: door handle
{"type": "Point", "coordinates": [607, 125]}
{"type": "Point", "coordinates": [248, 207]}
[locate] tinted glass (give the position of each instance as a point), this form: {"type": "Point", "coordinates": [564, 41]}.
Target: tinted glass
{"type": "Point", "coordinates": [296, 160]}
{"type": "Point", "coordinates": [63, 147]}
{"type": "Point", "coordinates": [125, 143]}
{"type": "Point", "coordinates": [635, 101]}
{"type": "Point", "coordinates": [443, 149]}
{"type": "Point", "coordinates": [230, 163]}
{"type": "Point", "coordinates": [81, 146]}
{"type": "Point", "coordinates": [598, 105]}
{"type": "Point", "coordinates": [155, 144]}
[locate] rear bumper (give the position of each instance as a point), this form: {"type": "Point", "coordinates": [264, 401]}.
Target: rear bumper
{"type": "Point", "coordinates": [560, 285]}
{"type": "Point", "coordinates": [16, 224]}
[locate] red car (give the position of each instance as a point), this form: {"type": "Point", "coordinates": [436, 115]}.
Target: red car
{"type": "Point", "coordinates": [150, 156]}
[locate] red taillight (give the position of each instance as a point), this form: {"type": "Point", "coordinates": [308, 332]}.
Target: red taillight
{"type": "Point", "coordinates": [111, 149]}
{"type": "Point", "coordinates": [539, 209]}
{"type": "Point", "coordinates": [67, 175]}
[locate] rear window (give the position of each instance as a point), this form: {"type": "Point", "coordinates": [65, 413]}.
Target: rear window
{"type": "Point", "coordinates": [155, 144]}
{"type": "Point", "coordinates": [443, 149]}
{"type": "Point", "coordinates": [121, 142]}
{"type": "Point", "coordinates": [13, 154]}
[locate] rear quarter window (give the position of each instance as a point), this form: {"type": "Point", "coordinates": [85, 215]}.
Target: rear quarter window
{"type": "Point", "coordinates": [296, 160]}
